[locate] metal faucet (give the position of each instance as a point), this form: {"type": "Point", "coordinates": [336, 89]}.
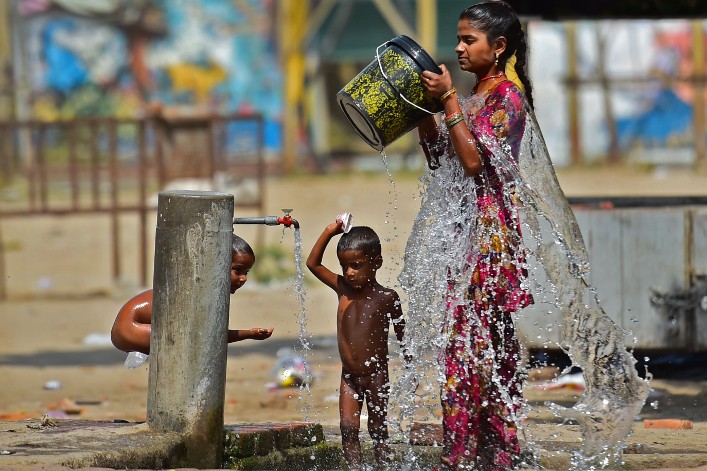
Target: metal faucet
{"type": "Point", "coordinates": [285, 220]}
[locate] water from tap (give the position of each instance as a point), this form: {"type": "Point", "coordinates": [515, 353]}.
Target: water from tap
{"type": "Point", "coordinates": [305, 337]}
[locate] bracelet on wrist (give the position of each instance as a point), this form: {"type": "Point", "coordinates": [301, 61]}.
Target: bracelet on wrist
{"type": "Point", "coordinates": [451, 124]}
{"type": "Point", "coordinates": [447, 94]}
{"type": "Point", "coordinates": [455, 117]}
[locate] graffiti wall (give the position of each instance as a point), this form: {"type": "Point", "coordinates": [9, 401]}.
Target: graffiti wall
{"type": "Point", "coordinates": [637, 84]}
{"type": "Point", "coordinates": [125, 58]}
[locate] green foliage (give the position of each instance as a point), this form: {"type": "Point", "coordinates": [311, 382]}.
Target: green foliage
{"type": "Point", "coordinates": [273, 263]}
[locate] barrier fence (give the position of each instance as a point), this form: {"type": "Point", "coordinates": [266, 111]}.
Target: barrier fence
{"type": "Point", "coordinates": [112, 166]}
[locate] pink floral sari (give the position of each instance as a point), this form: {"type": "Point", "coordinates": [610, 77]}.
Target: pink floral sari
{"type": "Point", "coordinates": [482, 393]}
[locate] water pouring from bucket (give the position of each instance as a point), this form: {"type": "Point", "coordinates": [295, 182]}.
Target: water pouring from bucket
{"type": "Point", "coordinates": [387, 98]}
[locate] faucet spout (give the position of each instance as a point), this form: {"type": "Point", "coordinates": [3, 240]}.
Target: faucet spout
{"type": "Point", "coordinates": [288, 221]}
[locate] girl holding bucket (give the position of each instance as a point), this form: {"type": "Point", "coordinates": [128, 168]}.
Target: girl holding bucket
{"type": "Point", "coordinates": [472, 154]}
{"type": "Point", "coordinates": [466, 269]}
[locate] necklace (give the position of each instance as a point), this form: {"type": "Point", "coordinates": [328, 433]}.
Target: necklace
{"type": "Point", "coordinates": [489, 77]}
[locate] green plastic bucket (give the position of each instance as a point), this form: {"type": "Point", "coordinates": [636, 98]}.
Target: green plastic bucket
{"type": "Point", "coordinates": [387, 98]}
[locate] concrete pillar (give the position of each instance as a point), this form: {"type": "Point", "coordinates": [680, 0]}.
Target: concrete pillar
{"type": "Point", "coordinates": [188, 343]}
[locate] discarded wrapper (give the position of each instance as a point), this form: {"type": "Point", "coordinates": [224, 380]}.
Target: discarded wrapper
{"type": "Point", "coordinates": [668, 423]}
{"type": "Point", "coordinates": [135, 359]}
{"type": "Point", "coordinates": [291, 370]}
{"type": "Point", "coordinates": [347, 219]}
{"type": "Point", "coordinates": [52, 385]}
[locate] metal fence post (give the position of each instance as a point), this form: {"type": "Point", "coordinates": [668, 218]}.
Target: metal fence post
{"type": "Point", "coordinates": [187, 377]}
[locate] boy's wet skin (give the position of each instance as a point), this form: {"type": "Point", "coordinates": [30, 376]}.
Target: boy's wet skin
{"type": "Point", "coordinates": [363, 316]}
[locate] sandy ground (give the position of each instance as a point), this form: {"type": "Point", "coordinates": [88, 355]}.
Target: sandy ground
{"type": "Point", "coordinates": [62, 303]}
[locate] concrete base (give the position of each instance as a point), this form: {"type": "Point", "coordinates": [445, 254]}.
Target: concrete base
{"type": "Point", "coordinates": [53, 443]}
{"type": "Point", "coordinates": [31, 445]}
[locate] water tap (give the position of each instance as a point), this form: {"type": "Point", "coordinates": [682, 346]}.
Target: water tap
{"type": "Point", "coordinates": [288, 220]}
{"type": "Point", "coordinates": [285, 220]}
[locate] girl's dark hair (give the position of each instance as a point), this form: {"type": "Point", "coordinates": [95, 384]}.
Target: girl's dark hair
{"type": "Point", "coordinates": [360, 238]}
{"type": "Point", "coordinates": [496, 18]}
{"type": "Point", "coordinates": [241, 246]}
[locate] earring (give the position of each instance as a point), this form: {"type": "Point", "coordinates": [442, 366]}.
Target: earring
{"type": "Point", "coordinates": [495, 64]}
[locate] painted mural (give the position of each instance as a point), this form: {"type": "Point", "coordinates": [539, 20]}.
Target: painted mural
{"type": "Point", "coordinates": [126, 58]}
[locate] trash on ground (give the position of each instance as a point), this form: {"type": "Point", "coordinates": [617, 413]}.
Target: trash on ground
{"type": "Point", "coordinates": [291, 370]}
{"type": "Point", "coordinates": [57, 414]}
{"type": "Point", "coordinates": [98, 339]}
{"type": "Point", "coordinates": [135, 359]}
{"type": "Point", "coordinates": [574, 381]}
{"type": "Point", "coordinates": [52, 385]}
{"type": "Point", "coordinates": [668, 423]}
{"type": "Point", "coordinates": [67, 406]}
{"type": "Point", "coordinates": [17, 416]}
{"type": "Point", "coordinates": [88, 402]}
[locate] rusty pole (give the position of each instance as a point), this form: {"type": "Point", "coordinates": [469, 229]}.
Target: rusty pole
{"type": "Point", "coordinates": [114, 182]}
{"type": "Point", "coordinates": [142, 204]}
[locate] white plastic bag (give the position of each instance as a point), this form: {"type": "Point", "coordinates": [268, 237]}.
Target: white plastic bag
{"type": "Point", "coordinates": [135, 359]}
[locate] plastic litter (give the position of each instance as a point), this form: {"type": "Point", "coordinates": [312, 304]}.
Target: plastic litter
{"type": "Point", "coordinates": [135, 359]}
{"type": "Point", "coordinates": [52, 385]}
{"type": "Point", "coordinates": [291, 370]}
{"type": "Point", "coordinates": [97, 339]}
{"type": "Point", "coordinates": [668, 423]}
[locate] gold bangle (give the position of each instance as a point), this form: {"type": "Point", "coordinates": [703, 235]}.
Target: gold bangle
{"type": "Point", "coordinates": [448, 93]}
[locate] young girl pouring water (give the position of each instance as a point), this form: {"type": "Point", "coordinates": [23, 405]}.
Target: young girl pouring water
{"type": "Point", "coordinates": [466, 270]}
{"type": "Point", "coordinates": [483, 392]}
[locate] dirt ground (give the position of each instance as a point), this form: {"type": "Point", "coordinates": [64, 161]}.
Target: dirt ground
{"type": "Point", "coordinates": [62, 303]}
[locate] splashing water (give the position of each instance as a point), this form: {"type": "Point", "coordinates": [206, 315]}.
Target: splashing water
{"type": "Point", "coordinates": [449, 236]}
{"type": "Point", "coordinates": [614, 393]}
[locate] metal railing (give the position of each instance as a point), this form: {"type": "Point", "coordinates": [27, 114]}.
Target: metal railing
{"type": "Point", "coordinates": [112, 166]}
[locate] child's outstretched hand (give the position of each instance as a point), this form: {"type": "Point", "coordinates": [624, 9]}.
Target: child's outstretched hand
{"type": "Point", "coordinates": [257, 333]}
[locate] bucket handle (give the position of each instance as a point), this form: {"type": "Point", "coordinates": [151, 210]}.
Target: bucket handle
{"type": "Point", "coordinates": [380, 66]}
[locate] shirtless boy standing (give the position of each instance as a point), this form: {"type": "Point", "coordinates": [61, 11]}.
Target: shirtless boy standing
{"type": "Point", "coordinates": [363, 318]}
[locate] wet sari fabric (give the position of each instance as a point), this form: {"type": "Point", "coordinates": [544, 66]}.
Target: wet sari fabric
{"type": "Point", "coordinates": [482, 393]}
